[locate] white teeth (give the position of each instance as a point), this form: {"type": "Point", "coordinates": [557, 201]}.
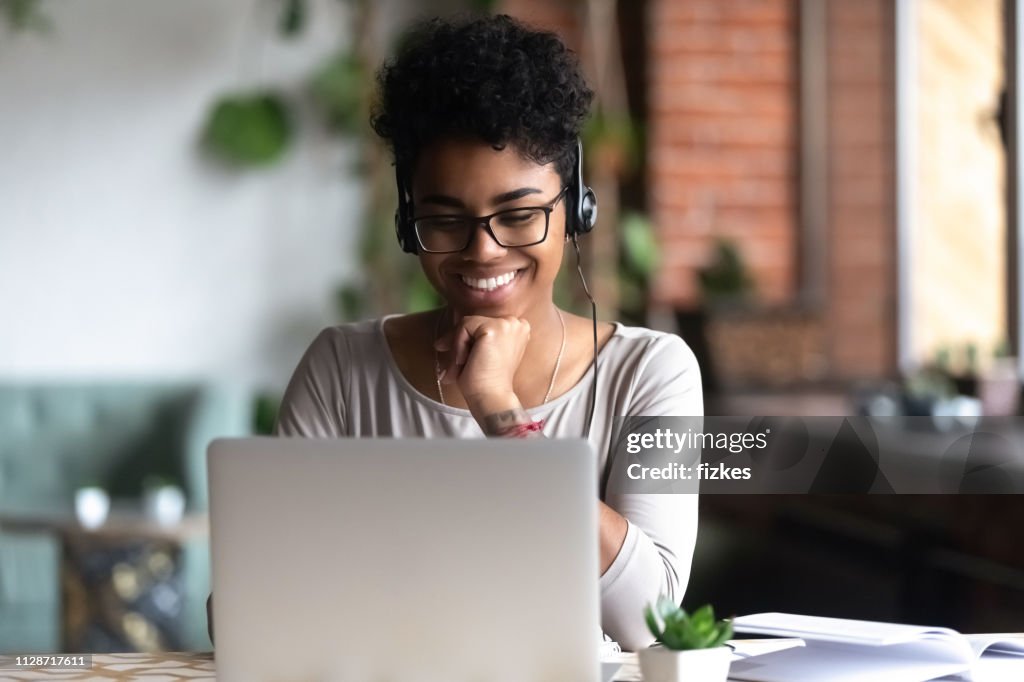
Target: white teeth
{"type": "Point", "coordinates": [490, 283]}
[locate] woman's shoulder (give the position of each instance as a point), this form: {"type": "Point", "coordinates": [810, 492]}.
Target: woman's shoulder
{"type": "Point", "coordinates": [641, 344]}
{"type": "Point", "coordinates": [660, 371]}
{"type": "Point", "coordinates": [360, 338]}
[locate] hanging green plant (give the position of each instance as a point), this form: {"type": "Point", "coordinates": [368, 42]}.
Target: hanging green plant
{"type": "Point", "coordinates": [350, 300]}
{"type": "Point", "coordinates": [293, 18]}
{"type": "Point", "coordinates": [248, 129]}
{"type": "Point", "coordinates": [639, 247]}
{"type": "Point", "coordinates": [25, 15]}
{"type": "Point", "coordinates": [337, 89]}
{"type": "Point", "coordinates": [266, 406]}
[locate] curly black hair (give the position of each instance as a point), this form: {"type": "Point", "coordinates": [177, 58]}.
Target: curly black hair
{"type": "Point", "coordinates": [493, 78]}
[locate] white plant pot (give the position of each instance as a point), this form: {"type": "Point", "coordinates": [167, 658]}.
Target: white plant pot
{"type": "Point", "coordinates": [659, 664]}
{"type": "Point", "coordinates": [164, 505]}
{"type": "Point", "coordinates": [92, 504]}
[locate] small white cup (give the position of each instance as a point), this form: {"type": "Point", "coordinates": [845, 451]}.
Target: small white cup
{"type": "Point", "coordinates": [92, 504]}
{"type": "Point", "coordinates": [165, 504]}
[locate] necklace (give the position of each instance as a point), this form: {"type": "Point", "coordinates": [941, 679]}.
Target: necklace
{"type": "Point", "coordinates": [554, 374]}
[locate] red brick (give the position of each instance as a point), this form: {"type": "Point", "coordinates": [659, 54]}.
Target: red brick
{"type": "Point", "coordinates": [670, 41]}
{"type": "Point", "coordinates": [728, 11]}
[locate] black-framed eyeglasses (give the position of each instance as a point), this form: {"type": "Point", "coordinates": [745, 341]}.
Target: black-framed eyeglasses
{"type": "Point", "coordinates": [513, 227]}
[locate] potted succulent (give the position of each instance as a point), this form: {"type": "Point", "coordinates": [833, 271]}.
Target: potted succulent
{"type": "Point", "coordinates": [690, 647]}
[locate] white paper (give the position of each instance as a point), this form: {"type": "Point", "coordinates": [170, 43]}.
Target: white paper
{"type": "Point", "coordinates": [840, 650]}
{"type": "Point", "coordinates": [864, 632]}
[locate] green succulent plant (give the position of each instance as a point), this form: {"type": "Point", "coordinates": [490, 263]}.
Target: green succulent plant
{"type": "Point", "coordinates": [679, 631]}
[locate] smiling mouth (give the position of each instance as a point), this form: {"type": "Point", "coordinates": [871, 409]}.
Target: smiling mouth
{"type": "Point", "coordinates": [490, 283]}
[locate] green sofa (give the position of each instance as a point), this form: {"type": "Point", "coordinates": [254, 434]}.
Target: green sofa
{"type": "Point", "coordinates": [55, 437]}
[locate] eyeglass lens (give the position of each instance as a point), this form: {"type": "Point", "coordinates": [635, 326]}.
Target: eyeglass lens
{"type": "Point", "coordinates": [516, 227]}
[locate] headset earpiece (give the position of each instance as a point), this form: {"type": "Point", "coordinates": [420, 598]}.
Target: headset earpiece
{"type": "Point", "coordinates": [404, 230]}
{"type": "Point", "coordinates": [583, 200]}
{"type": "Point", "coordinates": [588, 211]}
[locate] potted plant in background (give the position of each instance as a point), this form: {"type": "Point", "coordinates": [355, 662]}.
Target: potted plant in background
{"type": "Point", "coordinates": [690, 647]}
{"type": "Point", "coordinates": [725, 284]}
{"type": "Point", "coordinates": [640, 256]}
{"type": "Point", "coordinates": [163, 500]}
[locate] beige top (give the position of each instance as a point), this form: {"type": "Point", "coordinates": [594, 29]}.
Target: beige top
{"type": "Point", "coordinates": [348, 384]}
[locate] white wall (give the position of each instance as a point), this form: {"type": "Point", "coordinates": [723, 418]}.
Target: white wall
{"type": "Point", "coordinates": [123, 253]}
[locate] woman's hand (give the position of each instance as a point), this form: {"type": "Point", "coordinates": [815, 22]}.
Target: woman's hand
{"type": "Point", "coordinates": [481, 355]}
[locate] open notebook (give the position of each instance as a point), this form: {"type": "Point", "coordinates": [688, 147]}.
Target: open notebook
{"type": "Point", "coordinates": [837, 650]}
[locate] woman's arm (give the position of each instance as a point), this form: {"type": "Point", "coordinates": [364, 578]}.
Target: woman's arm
{"type": "Point", "coordinates": [654, 561]}
{"type": "Point", "coordinates": [661, 533]}
{"type": "Point", "coordinates": [612, 532]}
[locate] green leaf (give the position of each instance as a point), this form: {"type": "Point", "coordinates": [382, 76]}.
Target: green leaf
{"type": "Point", "coordinates": [350, 300]}
{"type": "Point", "coordinates": [338, 90]}
{"type": "Point", "coordinates": [639, 246]}
{"type": "Point", "coordinates": [248, 130]}
{"type": "Point", "coordinates": [726, 278]}
{"type": "Point", "coordinates": [669, 610]}
{"type": "Point", "coordinates": [265, 412]}
{"type": "Point", "coordinates": [25, 15]}
{"type": "Point", "coordinates": [293, 18]}
{"type": "Point", "coordinates": [724, 634]}
{"type": "Point", "coordinates": [683, 632]}
{"type": "Point", "coordinates": [703, 620]}
{"type": "Point", "coordinates": [652, 622]}
{"type": "Point", "coordinates": [674, 640]}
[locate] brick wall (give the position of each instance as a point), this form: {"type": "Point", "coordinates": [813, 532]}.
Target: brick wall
{"type": "Point", "coordinates": [722, 140]}
{"type": "Point", "coordinates": [561, 16]}
{"type": "Point", "coordinates": [723, 149]}
{"type": "Point", "coordinates": [723, 157]}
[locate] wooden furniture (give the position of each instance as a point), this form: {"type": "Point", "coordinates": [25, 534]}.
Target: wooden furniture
{"type": "Point", "coordinates": [122, 584]}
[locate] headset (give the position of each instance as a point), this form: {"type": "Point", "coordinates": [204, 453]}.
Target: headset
{"type": "Point", "coordinates": [580, 206]}
{"type": "Point", "coordinates": [581, 213]}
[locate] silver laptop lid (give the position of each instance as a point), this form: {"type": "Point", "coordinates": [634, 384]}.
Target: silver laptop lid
{"type": "Point", "coordinates": [376, 559]}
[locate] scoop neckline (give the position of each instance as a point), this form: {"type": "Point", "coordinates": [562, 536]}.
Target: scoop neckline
{"type": "Point", "coordinates": [461, 412]}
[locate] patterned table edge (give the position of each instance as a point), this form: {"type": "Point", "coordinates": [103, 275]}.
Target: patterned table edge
{"type": "Point", "coordinates": [154, 667]}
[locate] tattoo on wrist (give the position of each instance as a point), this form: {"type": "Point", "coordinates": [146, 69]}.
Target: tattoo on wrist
{"type": "Point", "coordinates": [501, 421]}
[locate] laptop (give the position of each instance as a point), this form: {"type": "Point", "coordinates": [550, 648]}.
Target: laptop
{"type": "Point", "coordinates": [386, 559]}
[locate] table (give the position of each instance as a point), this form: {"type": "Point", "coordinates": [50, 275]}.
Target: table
{"type": "Point", "coordinates": [173, 666]}
{"type": "Point", "coordinates": [122, 584]}
{"type": "Point", "coordinates": [176, 666]}
{"type": "Point", "coordinates": [151, 667]}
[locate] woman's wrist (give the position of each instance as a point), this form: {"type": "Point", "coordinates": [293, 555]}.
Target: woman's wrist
{"type": "Point", "coordinates": [496, 414]}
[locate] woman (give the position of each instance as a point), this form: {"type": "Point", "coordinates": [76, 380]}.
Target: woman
{"type": "Point", "coordinates": [483, 118]}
